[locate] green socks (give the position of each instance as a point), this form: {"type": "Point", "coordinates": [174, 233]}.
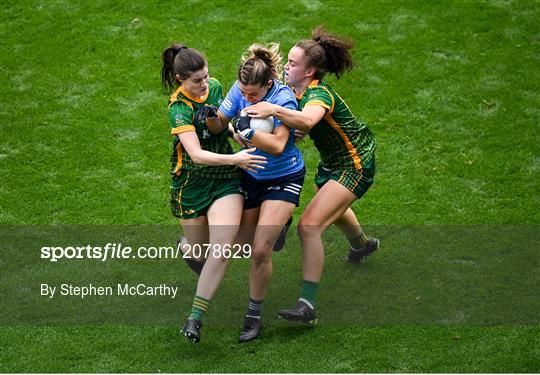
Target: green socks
{"type": "Point", "coordinates": [200, 306]}
{"type": "Point", "coordinates": [309, 290]}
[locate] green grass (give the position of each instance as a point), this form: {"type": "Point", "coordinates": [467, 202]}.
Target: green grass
{"type": "Point", "coordinates": [451, 91]}
{"type": "Point", "coordinates": [337, 349]}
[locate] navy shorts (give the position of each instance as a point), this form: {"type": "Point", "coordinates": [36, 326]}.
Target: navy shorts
{"type": "Point", "coordinates": [286, 188]}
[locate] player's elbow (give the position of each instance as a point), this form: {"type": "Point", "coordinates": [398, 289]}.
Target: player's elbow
{"type": "Point", "coordinates": [304, 125]}
{"type": "Point", "coordinates": [197, 157]}
{"type": "Point", "coordinates": [276, 149]}
{"type": "Point", "coordinates": [308, 123]}
{"type": "Point", "coordinates": [197, 160]}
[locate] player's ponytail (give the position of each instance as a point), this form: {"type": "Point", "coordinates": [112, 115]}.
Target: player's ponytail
{"type": "Point", "coordinates": [182, 61]}
{"type": "Point", "coordinates": [327, 53]}
{"type": "Point", "coordinates": [260, 64]}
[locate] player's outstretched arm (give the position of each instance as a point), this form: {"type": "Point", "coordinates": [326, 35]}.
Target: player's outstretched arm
{"type": "Point", "coordinates": [244, 159]}
{"type": "Point", "coordinates": [302, 120]}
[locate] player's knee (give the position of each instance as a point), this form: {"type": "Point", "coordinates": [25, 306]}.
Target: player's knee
{"type": "Point", "coordinates": [261, 254]}
{"type": "Point", "coordinates": [218, 254]}
{"type": "Point", "coordinates": [307, 228]}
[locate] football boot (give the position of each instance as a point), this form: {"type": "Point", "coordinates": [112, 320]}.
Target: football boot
{"type": "Point", "coordinates": [301, 313]}
{"type": "Point", "coordinates": [252, 328]}
{"type": "Point", "coordinates": [356, 256]}
{"type": "Point", "coordinates": [192, 330]}
{"type": "Point", "coordinates": [280, 242]}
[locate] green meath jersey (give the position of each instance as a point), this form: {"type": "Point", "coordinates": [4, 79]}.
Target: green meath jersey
{"type": "Point", "coordinates": [343, 141]}
{"type": "Point", "coordinates": [182, 108]}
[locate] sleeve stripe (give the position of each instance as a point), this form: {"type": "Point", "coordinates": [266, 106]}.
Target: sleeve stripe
{"type": "Point", "coordinates": [331, 97]}
{"type": "Point", "coordinates": [182, 129]}
{"type": "Point", "coordinates": [319, 103]}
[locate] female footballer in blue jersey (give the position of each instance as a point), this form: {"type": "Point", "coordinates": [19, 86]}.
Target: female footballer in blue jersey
{"type": "Point", "coordinates": [272, 194]}
{"type": "Point", "coordinates": [347, 150]}
{"type": "Point", "coordinates": [205, 188]}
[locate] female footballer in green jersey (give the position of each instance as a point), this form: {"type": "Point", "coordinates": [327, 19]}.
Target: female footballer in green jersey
{"type": "Point", "coordinates": [205, 188]}
{"type": "Point", "coordinates": [347, 150]}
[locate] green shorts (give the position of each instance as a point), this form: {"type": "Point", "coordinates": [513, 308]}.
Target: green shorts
{"type": "Point", "coordinates": [356, 181]}
{"type": "Point", "coordinates": [192, 195]}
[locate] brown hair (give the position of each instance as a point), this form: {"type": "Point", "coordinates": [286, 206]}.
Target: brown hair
{"type": "Point", "coordinates": [327, 53]}
{"type": "Point", "coordinates": [260, 64]}
{"type": "Point", "coordinates": [182, 61]}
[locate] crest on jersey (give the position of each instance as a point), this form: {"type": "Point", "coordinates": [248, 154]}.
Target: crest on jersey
{"type": "Point", "coordinates": [179, 119]}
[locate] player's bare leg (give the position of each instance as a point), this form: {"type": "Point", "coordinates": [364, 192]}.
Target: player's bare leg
{"type": "Point", "coordinates": [348, 224]}
{"type": "Point", "coordinates": [247, 226]}
{"type": "Point", "coordinates": [195, 233]}
{"type": "Point", "coordinates": [329, 204]}
{"type": "Point", "coordinates": [273, 215]}
{"type": "Point", "coordinates": [223, 218]}
{"type": "Point", "coordinates": [361, 245]}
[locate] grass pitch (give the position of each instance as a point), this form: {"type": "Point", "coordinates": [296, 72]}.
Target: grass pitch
{"type": "Point", "coordinates": [451, 92]}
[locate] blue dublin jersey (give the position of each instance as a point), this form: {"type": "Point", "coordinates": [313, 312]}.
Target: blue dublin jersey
{"type": "Point", "coordinates": [290, 160]}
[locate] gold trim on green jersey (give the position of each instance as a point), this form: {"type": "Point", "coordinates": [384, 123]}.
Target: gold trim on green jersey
{"type": "Point", "coordinates": [179, 200]}
{"type": "Point", "coordinates": [314, 84]}
{"type": "Point", "coordinates": [174, 98]}
{"type": "Point", "coordinates": [352, 150]}
{"type": "Point", "coordinates": [182, 129]}
{"type": "Point", "coordinates": [178, 158]}
{"type": "Point", "coordinates": [320, 103]}
{"type": "Point", "coordinates": [196, 100]}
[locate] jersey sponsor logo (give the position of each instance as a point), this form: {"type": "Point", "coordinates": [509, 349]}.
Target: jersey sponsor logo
{"type": "Point", "coordinates": [206, 134]}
